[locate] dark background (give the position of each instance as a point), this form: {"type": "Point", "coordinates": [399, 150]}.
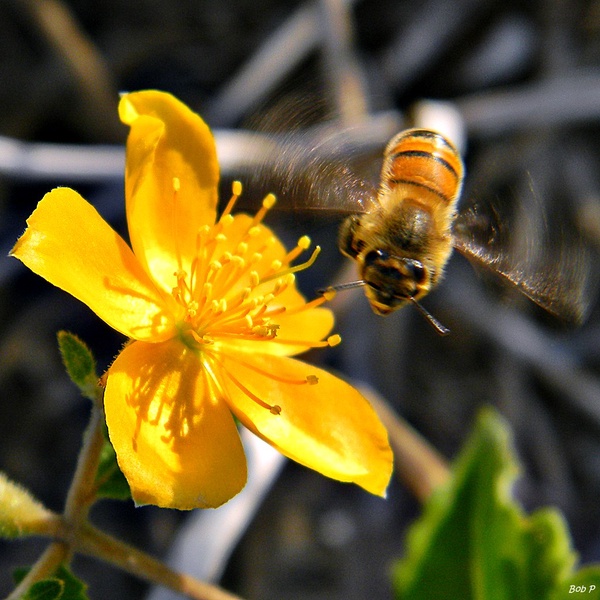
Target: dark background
{"type": "Point", "coordinates": [524, 79]}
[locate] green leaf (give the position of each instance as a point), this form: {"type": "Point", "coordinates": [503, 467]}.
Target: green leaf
{"type": "Point", "coordinates": [79, 362]}
{"type": "Point", "coordinates": [583, 584]}
{"type": "Point", "coordinates": [474, 542]}
{"type": "Point", "coordinates": [71, 587]}
{"type": "Point", "coordinates": [109, 478]}
{"type": "Point", "coordinates": [47, 589]}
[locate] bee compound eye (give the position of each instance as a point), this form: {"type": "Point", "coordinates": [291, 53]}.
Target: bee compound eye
{"type": "Point", "coordinates": [348, 241]}
{"type": "Point", "coordinates": [375, 256]}
{"type": "Point", "coordinates": [417, 270]}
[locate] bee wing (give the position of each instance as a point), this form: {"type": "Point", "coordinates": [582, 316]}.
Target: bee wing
{"type": "Point", "coordinates": [551, 272]}
{"type": "Point", "coordinates": [312, 162]}
{"type": "Point", "coordinates": [310, 171]}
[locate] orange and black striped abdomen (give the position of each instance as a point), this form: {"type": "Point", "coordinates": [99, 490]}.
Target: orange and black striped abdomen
{"type": "Point", "coordinates": [425, 159]}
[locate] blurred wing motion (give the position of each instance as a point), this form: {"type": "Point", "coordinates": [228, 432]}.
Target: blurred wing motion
{"type": "Point", "coordinates": [547, 269]}
{"type": "Point", "coordinates": [310, 174]}
{"type": "Point", "coordinates": [314, 164]}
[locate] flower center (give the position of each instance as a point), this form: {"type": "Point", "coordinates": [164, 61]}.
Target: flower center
{"type": "Point", "coordinates": [234, 289]}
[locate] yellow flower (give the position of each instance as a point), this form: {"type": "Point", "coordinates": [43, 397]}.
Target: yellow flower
{"type": "Point", "coordinates": [213, 316]}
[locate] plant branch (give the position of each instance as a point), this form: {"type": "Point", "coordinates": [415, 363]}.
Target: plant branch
{"type": "Point", "coordinates": [82, 492]}
{"type": "Point", "coordinates": [93, 542]}
{"type": "Point", "coordinates": [45, 566]}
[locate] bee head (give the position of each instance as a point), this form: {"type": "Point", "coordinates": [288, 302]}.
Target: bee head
{"type": "Point", "coordinates": [393, 281]}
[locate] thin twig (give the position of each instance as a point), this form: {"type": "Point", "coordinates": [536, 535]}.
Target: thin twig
{"type": "Point", "coordinates": [82, 492]}
{"type": "Point", "coordinates": [45, 566]}
{"type": "Point", "coordinates": [94, 542]}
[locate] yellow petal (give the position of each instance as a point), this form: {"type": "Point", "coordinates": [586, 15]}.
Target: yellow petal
{"type": "Point", "coordinates": [327, 426]}
{"type": "Point", "coordinates": [176, 441]}
{"type": "Point", "coordinates": [167, 141]}
{"type": "Point", "coordinates": [68, 243]}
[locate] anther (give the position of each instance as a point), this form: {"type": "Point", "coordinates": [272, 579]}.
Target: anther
{"type": "Point", "coordinates": [238, 261]}
{"type": "Point", "coordinates": [275, 409]}
{"type": "Point", "coordinates": [226, 220]}
{"type": "Point", "coordinates": [312, 379]}
{"type": "Point", "coordinates": [334, 340]}
{"type": "Point", "coordinates": [269, 201]}
{"type": "Point", "coordinates": [207, 289]}
{"type": "Point", "coordinates": [304, 242]}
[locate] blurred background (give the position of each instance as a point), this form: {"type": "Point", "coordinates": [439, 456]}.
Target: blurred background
{"type": "Point", "coordinates": [516, 84]}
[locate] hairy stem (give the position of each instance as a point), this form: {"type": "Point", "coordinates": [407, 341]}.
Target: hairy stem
{"type": "Point", "coordinates": [45, 566]}
{"type": "Point", "coordinates": [94, 542]}
{"type": "Point", "coordinates": [82, 492]}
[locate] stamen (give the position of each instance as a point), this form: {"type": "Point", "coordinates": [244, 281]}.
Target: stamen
{"type": "Point", "coordinates": [296, 268]}
{"type": "Point", "coordinates": [274, 409]}
{"type": "Point", "coordinates": [302, 245]}
{"type": "Point", "coordinates": [267, 203]}
{"type": "Point", "coordinates": [312, 304]}
{"type": "Point", "coordinates": [201, 339]}
{"type": "Point", "coordinates": [310, 379]}
{"type": "Point", "coordinates": [236, 192]}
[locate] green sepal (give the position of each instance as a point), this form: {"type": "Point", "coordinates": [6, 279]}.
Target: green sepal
{"type": "Point", "coordinates": [63, 581]}
{"type": "Point", "coordinates": [79, 362]}
{"type": "Point", "coordinates": [474, 541]}
{"type": "Point", "coordinates": [109, 478]}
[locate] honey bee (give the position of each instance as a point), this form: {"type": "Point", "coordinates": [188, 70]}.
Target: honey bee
{"type": "Point", "coordinates": [403, 234]}
{"type": "Point", "coordinates": [403, 244]}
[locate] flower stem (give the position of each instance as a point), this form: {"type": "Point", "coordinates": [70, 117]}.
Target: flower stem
{"type": "Point", "coordinates": [94, 542]}
{"type": "Point", "coordinates": [46, 565]}
{"type": "Point", "coordinates": [82, 492]}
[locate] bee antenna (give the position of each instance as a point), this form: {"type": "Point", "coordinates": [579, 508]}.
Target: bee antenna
{"type": "Point", "coordinates": [350, 285]}
{"type": "Point", "coordinates": [430, 318]}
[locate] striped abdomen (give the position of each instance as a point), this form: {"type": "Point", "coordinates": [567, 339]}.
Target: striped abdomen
{"type": "Point", "coordinates": [424, 159]}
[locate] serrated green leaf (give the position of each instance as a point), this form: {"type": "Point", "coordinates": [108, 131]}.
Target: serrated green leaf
{"type": "Point", "coordinates": [79, 362]}
{"type": "Point", "coordinates": [72, 588]}
{"type": "Point", "coordinates": [583, 584]}
{"type": "Point", "coordinates": [111, 481]}
{"type": "Point", "coordinates": [474, 542]}
{"type": "Point", "coordinates": [47, 589]}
